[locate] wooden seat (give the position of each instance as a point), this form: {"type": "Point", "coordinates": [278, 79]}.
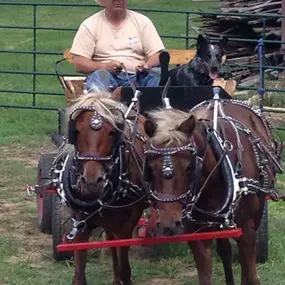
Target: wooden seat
{"type": "Point", "coordinates": [228, 85]}
{"type": "Point", "coordinates": [177, 56]}
{"type": "Point", "coordinates": [183, 56]}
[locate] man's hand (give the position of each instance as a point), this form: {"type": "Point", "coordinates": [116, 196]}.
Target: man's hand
{"type": "Point", "coordinates": [114, 66]}
{"type": "Point", "coordinates": [145, 67]}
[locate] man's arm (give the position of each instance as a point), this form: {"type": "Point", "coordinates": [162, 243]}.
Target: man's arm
{"type": "Point", "coordinates": [82, 50]}
{"type": "Point", "coordinates": [85, 65]}
{"type": "Point", "coordinates": [152, 45]}
{"type": "Point", "coordinates": [153, 60]}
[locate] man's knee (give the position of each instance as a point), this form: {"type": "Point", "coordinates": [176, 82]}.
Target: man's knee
{"type": "Point", "coordinates": [152, 78]}
{"type": "Point", "coordinates": [151, 81]}
{"type": "Point", "coordinates": [100, 79]}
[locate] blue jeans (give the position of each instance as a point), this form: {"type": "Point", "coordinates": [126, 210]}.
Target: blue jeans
{"type": "Point", "coordinates": [103, 79]}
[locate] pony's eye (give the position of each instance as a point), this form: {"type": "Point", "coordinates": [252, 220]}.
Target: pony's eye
{"type": "Point", "coordinates": [112, 133]}
{"type": "Point", "coordinates": [189, 168]}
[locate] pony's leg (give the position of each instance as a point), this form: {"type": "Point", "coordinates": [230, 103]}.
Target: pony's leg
{"type": "Point", "coordinates": [115, 260]}
{"type": "Point", "coordinates": [80, 259]}
{"type": "Point", "coordinates": [247, 250]}
{"type": "Point", "coordinates": [123, 252]}
{"type": "Point", "coordinates": [125, 269]}
{"type": "Point", "coordinates": [224, 250]}
{"type": "Point", "coordinates": [201, 251]}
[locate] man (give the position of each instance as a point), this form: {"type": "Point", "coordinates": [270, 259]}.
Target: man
{"type": "Point", "coordinates": [115, 39]}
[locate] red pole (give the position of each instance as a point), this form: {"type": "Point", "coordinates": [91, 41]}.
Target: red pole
{"type": "Point", "coordinates": [148, 241]}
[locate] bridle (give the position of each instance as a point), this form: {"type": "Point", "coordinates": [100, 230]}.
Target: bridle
{"type": "Point", "coordinates": [116, 178]}
{"type": "Point", "coordinates": [168, 171]}
{"type": "Point", "coordinates": [109, 162]}
{"type": "Point", "coordinates": [96, 123]}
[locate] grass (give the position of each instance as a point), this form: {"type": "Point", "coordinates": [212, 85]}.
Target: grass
{"type": "Point", "coordinates": [25, 134]}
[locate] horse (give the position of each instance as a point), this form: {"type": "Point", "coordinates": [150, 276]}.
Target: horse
{"type": "Point", "coordinates": [103, 178]}
{"type": "Point", "coordinates": [207, 174]}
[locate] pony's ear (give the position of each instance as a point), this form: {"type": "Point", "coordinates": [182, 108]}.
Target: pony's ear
{"type": "Point", "coordinates": [116, 94]}
{"type": "Point", "coordinates": [150, 127]}
{"type": "Point", "coordinates": [202, 45]}
{"type": "Point", "coordinates": [188, 125]}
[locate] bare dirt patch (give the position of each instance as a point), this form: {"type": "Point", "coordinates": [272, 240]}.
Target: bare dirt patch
{"type": "Point", "coordinates": [33, 245]}
{"type": "Point", "coordinates": [161, 281]}
{"type": "Point", "coordinates": [28, 154]}
{"type": "Point", "coordinates": [276, 119]}
{"type": "Point", "coordinates": [7, 208]}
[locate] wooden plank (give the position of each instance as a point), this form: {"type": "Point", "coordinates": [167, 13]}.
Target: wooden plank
{"type": "Point", "coordinates": [228, 85]}
{"type": "Point", "coordinates": [177, 56]}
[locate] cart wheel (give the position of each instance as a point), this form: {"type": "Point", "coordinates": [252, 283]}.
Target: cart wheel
{"type": "Point", "coordinates": [61, 224]}
{"type": "Point", "coordinates": [44, 200]}
{"type": "Point", "coordinates": [262, 237]}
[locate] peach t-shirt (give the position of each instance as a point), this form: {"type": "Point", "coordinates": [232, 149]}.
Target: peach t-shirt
{"type": "Point", "coordinates": [130, 43]}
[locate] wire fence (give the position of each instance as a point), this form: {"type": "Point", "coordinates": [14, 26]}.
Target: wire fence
{"type": "Point", "coordinates": [38, 68]}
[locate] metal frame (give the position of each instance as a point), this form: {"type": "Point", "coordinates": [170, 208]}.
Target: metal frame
{"type": "Point", "coordinates": [35, 6]}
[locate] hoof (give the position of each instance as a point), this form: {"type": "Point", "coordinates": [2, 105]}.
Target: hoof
{"type": "Point", "coordinates": [122, 283]}
{"type": "Point", "coordinates": [79, 282]}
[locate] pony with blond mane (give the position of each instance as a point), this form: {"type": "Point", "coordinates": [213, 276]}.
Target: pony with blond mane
{"type": "Point", "coordinates": [190, 175]}
{"type": "Point", "coordinates": [104, 176]}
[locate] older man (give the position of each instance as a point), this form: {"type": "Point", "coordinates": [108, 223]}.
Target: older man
{"type": "Point", "coordinates": [115, 39]}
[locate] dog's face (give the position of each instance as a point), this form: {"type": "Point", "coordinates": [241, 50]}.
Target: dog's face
{"type": "Point", "coordinates": [210, 56]}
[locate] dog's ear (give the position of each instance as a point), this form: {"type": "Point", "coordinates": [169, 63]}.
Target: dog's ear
{"type": "Point", "coordinates": [223, 41]}
{"type": "Point", "coordinates": [202, 45]}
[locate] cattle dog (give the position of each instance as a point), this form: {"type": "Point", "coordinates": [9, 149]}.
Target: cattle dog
{"type": "Point", "coordinates": [204, 68]}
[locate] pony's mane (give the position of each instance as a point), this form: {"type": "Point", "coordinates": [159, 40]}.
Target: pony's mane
{"type": "Point", "coordinates": [167, 121]}
{"type": "Point", "coordinates": [102, 101]}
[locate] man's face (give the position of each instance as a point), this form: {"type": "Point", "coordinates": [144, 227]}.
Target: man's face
{"type": "Point", "coordinates": [116, 5]}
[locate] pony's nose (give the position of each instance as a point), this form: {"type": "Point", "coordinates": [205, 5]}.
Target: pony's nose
{"type": "Point", "coordinates": [85, 180]}
{"type": "Point", "coordinates": [178, 224]}
{"type": "Point", "coordinates": [174, 228]}
{"type": "Point", "coordinates": [100, 179]}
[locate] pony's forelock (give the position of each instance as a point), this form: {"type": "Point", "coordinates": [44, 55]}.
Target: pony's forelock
{"type": "Point", "coordinates": [167, 121]}
{"type": "Point", "coordinates": [102, 101]}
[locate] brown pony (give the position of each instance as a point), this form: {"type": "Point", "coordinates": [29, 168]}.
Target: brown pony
{"type": "Point", "coordinates": [204, 179]}
{"type": "Point", "coordinates": [104, 177]}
